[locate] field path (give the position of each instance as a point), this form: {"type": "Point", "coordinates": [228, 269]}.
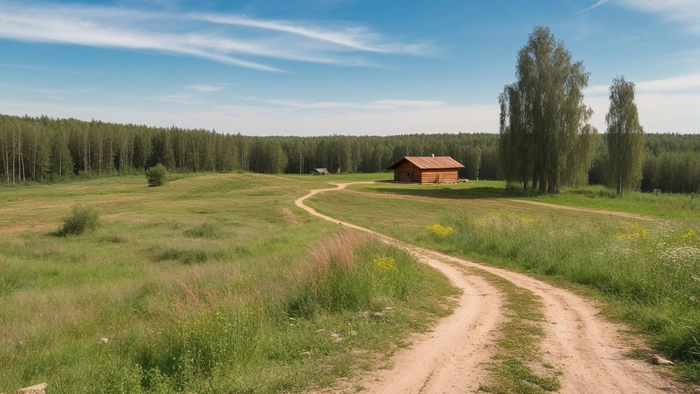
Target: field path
{"type": "Point", "coordinates": [589, 210]}
{"type": "Point", "coordinates": [578, 341]}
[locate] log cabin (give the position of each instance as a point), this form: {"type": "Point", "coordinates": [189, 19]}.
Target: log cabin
{"type": "Point", "coordinates": [418, 169]}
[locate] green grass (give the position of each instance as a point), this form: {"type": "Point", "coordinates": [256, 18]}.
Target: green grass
{"type": "Point", "coordinates": [595, 197]}
{"type": "Point", "coordinates": [194, 285]}
{"type": "Point", "coordinates": [646, 271]}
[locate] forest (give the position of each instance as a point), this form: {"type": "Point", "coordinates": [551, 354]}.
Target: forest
{"type": "Point", "coordinates": [49, 150]}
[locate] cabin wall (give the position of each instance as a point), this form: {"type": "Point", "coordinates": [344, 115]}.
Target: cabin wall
{"type": "Point", "coordinates": [439, 176]}
{"type": "Point", "coordinates": [407, 172]}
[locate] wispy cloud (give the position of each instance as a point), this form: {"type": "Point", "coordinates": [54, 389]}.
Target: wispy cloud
{"type": "Point", "coordinates": [206, 88]}
{"type": "Point", "coordinates": [357, 38]}
{"type": "Point", "coordinates": [230, 39]}
{"type": "Point", "coordinates": [596, 5]}
{"type": "Point", "coordinates": [677, 84]}
{"type": "Point", "coordinates": [686, 12]}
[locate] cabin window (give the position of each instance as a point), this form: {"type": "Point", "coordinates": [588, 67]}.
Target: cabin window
{"type": "Point", "coordinates": [408, 175]}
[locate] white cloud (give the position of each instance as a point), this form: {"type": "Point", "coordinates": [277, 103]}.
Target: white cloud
{"type": "Point", "coordinates": [205, 88]}
{"type": "Point", "coordinates": [665, 105]}
{"type": "Point", "coordinates": [686, 12]}
{"type": "Point", "coordinates": [681, 83]}
{"type": "Point", "coordinates": [596, 5]}
{"type": "Point", "coordinates": [359, 38]}
{"type": "Point", "coordinates": [229, 39]}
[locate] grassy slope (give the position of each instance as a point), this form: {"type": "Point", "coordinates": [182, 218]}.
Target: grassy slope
{"type": "Point", "coordinates": [646, 270]}
{"type": "Point", "coordinates": [199, 271]}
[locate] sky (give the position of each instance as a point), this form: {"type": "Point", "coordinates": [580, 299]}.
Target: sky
{"type": "Point", "coordinates": [322, 67]}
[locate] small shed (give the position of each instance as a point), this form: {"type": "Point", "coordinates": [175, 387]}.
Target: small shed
{"type": "Point", "coordinates": [431, 169]}
{"type": "Point", "coordinates": [319, 171]}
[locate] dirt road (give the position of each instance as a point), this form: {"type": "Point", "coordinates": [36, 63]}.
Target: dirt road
{"type": "Point", "coordinates": [578, 341]}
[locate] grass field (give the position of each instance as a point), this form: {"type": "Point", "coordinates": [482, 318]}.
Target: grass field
{"type": "Point", "coordinates": [218, 282]}
{"type": "Point", "coordinates": [646, 268]}
{"type": "Point", "coordinates": [211, 283]}
{"type": "Point", "coordinates": [596, 197]}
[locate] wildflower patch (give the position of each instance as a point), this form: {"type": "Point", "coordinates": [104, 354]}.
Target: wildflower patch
{"type": "Point", "coordinates": [385, 264]}
{"type": "Point", "coordinates": [438, 229]}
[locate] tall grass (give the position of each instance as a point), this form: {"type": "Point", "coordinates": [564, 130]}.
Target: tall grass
{"type": "Point", "coordinates": [650, 271]}
{"type": "Point", "coordinates": [350, 272]}
{"type": "Point", "coordinates": [212, 340]}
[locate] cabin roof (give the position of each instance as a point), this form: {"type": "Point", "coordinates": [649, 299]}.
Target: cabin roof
{"type": "Point", "coordinates": [428, 162]}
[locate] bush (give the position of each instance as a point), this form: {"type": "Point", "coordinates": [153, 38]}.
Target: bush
{"type": "Point", "coordinates": [157, 176]}
{"type": "Point", "coordinates": [80, 220]}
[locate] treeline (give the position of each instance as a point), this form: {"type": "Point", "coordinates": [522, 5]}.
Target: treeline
{"type": "Point", "coordinates": [671, 163]}
{"type": "Point", "coordinates": [45, 149]}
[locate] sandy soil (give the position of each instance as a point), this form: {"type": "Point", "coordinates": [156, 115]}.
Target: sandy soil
{"type": "Point", "coordinates": [587, 348]}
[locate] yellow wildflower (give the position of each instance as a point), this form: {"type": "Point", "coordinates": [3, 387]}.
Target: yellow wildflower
{"type": "Point", "coordinates": [438, 229]}
{"type": "Point", "coordinates": [385, 264]}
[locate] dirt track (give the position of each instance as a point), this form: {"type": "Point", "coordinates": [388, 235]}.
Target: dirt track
{"type": "Point", "coordinates": [578, 341]}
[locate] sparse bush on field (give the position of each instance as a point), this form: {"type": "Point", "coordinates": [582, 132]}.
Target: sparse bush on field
{"type": "Point", "coordinates": [204, 230]}
{"type": "Point", "coordinates": [80, 220]}
{"type": "Point", "coordinates": [185, 256]}
{"type": "Point", "coordinates": [157, 175]}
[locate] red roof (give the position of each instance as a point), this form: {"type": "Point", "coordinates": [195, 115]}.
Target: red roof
{"type": "Point", "coordinates": [429, 163]}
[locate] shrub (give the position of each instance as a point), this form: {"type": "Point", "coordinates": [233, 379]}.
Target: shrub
{"type": "Point", "coordinates": [157, 176]}
{"type": "Point", "coordinates": [80, 220]}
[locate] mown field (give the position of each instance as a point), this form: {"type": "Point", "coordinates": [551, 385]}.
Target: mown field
{"type": "Point", "coordinates": [211, 283]}
{"type": "Point", "coordinates": [644, 264]}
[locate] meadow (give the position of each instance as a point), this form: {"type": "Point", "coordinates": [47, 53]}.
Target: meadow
{"type": "Point", "coordinates": [211, 283]}
{"type": "Point", "coordinates": [645, 265]}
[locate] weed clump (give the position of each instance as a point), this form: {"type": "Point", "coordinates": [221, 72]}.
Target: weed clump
{"type": "Point", "coordinates": [186, 257]}
{"type": "Point", "coordinates": [157, 175]}
{"type": "Point", "coordinates": [80, 220]}
{"type": "Point", "coordinates": [204, 230]}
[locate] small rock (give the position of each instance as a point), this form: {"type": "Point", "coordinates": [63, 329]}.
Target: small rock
{"type": "Point", "coordinates": [320, 331]}
{"type": "Point", "coordinates": [658, 360]}
{"type": "Point", "coordinates": [104, 340]}
{"type": "Point", "coordinates": [388, 308]}
{"type": "Point", "coordinates": [36, 389]}
{"type": "Point", "coordinates": [378, 314]}
{"type": "Point", "coordinates": [353, 332]}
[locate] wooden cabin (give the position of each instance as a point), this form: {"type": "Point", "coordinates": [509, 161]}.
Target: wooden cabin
{"type": "Point", "coordinates": [319, 171]}
{"type": "Point", "coordinates": [418, 169]}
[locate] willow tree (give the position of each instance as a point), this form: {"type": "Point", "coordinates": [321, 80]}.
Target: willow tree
{"type": "Point", "coordinates": [545, 136]}
{"type": "Point", "coordinates": [625, 138]}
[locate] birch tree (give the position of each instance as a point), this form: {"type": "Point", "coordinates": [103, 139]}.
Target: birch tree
{"type": "Point", "coordinates": [625, 138]}
{"type": "Point", "coordinates": [544, 122]}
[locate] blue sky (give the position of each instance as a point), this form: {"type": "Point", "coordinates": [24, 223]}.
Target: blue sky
{"type": "Point", "coordinates": [320, 67]}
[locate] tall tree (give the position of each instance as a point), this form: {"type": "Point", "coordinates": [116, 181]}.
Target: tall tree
{"type": "Point", "coordinates": [543, 118]}
{"type": "Point", "coordinates": [625, 138]}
